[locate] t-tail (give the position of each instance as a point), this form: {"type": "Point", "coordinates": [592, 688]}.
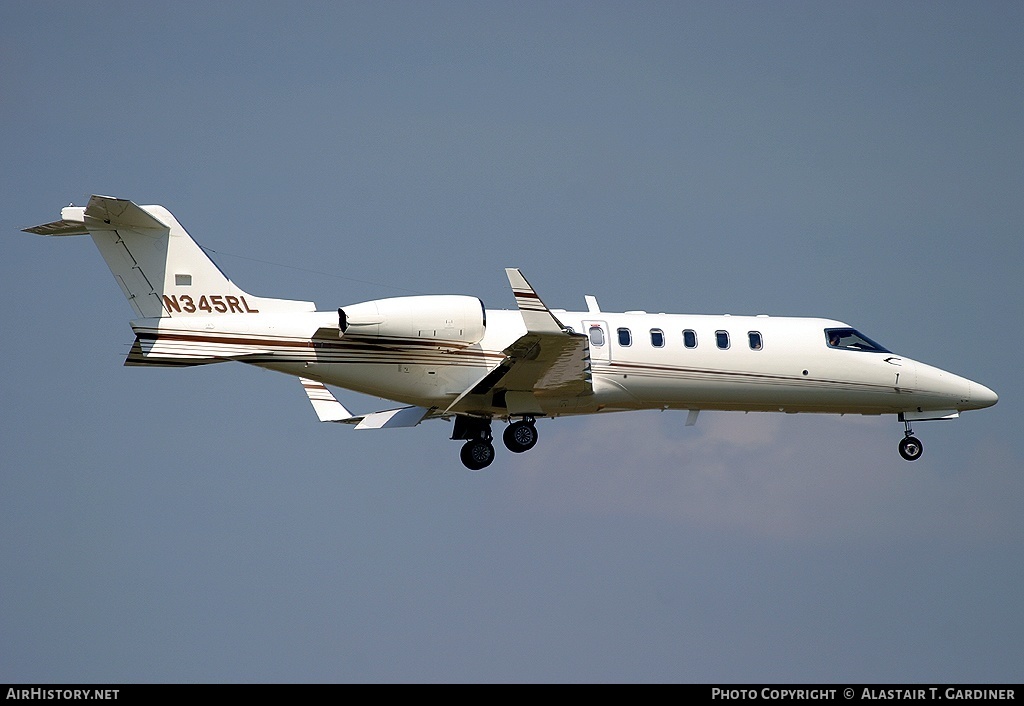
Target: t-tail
{"type": "Point", "coordinates": [163, 273]}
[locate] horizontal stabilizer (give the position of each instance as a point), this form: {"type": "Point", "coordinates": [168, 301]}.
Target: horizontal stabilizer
{"type": "Point", "coordinates": [102, 213]}
{"type": "Point", "coordinates": [72, 222]}
{"type": "Point", "coordinates": [121, 213]}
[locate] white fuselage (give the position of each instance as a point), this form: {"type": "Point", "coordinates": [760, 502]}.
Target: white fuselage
{"type": "Point", "coordinates": [760, 363]}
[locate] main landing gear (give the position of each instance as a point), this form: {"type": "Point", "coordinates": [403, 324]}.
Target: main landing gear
{"type": "Point", "coordinates": [520, 436]}
{"type": "Point", "coordinates": [911, 447]}
{"type": "Point", "coordinates": [478, 451]}
{"type": "Point", "coordinates": [477, 454]}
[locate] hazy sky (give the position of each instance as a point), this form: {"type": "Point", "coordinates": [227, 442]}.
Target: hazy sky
{"type": "Point", "coordinates": [858, 160]}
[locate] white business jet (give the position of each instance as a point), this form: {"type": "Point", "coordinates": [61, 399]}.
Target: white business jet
{"type": "Point", "coordinates": [447, 357]}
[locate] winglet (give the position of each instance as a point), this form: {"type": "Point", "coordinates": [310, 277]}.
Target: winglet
{"type": "Point", "coordinates": [326, 405]}
{"type": "Point", "coordinates": [537, 317]}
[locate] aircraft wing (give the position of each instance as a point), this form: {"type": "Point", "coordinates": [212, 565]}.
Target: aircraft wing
{"type": "Point", "coordinates": [329, 409]}
{"type": "Point", "coordinates": [549, 361]}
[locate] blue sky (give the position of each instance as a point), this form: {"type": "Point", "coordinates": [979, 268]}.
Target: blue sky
{"type": "Point", "coordinates": [860, 161]}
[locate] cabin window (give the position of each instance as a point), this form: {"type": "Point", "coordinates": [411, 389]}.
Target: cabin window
{"type": "Point", "coordinates": [625, 337]}
{"type": "Point", "coordinates": [690, 338]}
{"type": "Point", "coordinates": [657, 338]}
{"type": "Point", "coordinates": [755, 340]}
{"type": "Point", "coordinates": [722, 339]}
{"type": "Point", "coordinates": [851, 339]}
{"type": "Point", "coordinates": [596, 336]}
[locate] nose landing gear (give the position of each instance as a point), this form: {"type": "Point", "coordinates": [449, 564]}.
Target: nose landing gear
{"type": "Point", "coordinates": [911, 447]}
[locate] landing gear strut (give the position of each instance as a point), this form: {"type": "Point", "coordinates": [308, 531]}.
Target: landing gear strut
{"type": "Point", "coordinates": [520, 436]}
{"type": "Point", "coordinates": [911, 447]}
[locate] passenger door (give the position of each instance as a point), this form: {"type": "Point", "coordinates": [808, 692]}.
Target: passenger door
{"type": "Point", "coordinates": [600, 343]}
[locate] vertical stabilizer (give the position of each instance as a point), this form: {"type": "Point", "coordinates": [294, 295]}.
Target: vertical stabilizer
{"type": "Point", "coordinates": [160, 269]}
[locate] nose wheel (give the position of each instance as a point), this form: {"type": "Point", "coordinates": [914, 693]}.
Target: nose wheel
{"type": "Point", "coordinates": [911, 447]}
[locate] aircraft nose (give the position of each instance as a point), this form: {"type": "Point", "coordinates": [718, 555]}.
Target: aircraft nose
{"type": "Point", "coordinates": [982, 396]}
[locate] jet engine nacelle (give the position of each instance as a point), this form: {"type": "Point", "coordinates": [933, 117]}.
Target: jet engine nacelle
{"type": "Point", "coordinates": [450, 319]}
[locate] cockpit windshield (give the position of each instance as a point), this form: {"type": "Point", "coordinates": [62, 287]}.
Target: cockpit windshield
{"type": "Point", "coordinates": [851, 339]}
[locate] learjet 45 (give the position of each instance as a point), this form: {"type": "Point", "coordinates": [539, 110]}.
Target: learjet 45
{"type": "Point", "coordinates": [447, 357]}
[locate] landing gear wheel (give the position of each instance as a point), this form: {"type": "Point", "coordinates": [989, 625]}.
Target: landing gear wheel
{"type": "Point", "coordinates": [477, 454]}
{"type": "Point", "coordinates": [520, 436]}
{"type": "Point", "coordinates": [911, 448]}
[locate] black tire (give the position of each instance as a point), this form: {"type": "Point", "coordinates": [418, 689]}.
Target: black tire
{"type": "Point", "coordinates": [520, 437]}
{"type": "Point", "coordinates": [911, 448]}
{"type": "Point", "coordinates": [477, 454]}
